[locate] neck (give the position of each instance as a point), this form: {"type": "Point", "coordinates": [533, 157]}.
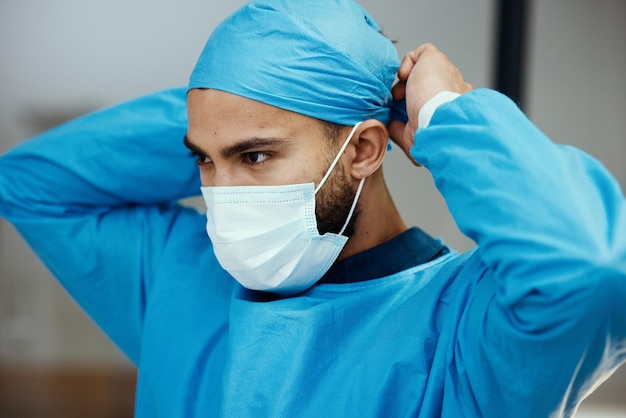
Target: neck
{"type": "Point", "coordinates": [379, 219]}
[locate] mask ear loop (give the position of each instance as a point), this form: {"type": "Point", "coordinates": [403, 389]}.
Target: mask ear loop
{"type": "Point", "coordinates": [337, 157]}
{"type": "Point", "coordinates": [356, 199]}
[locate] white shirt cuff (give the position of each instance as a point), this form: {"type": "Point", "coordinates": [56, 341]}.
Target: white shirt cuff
{"type": "Point", "coordinates": [428, 110]}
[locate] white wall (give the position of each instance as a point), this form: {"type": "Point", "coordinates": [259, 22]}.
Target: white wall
{"type": "Point", "coordinates": [577, 76]}
{"type": "Point", "coordinates": [62, 58]}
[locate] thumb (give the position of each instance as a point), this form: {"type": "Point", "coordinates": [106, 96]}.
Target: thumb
{"type": "Point", "coordinates": [396, 132]}
{"type": "Point", "coordinates": [402, 135]}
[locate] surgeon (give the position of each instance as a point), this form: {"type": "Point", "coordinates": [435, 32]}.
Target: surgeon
{"type": "Point", "coordinates": [310, 297]}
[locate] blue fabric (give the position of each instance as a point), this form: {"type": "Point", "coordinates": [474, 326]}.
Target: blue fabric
{"type": "Point", "coordinates": [523, 326]}
{"type": "Point", "coordinates": [323, 59]}
{"type": "Point", "coordinates": [407, 250]}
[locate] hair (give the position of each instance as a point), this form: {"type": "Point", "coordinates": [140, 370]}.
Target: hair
{"type": "Point", "coordinates": [331, 130]}
{"type": "Point", "coordinates": [333, 204]}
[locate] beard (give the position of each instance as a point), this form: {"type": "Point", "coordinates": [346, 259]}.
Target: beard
{"type": "Point", "coordinates": [333, 202]}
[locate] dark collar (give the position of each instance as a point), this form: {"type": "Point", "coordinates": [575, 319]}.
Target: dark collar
{"type": "Point", "coordinates": [409, 249]}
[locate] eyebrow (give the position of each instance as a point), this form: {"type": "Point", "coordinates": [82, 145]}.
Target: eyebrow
{"type": "Point", "coordinates": [240, 147]}
{"type": "Point", "coordinates": [192, 147]}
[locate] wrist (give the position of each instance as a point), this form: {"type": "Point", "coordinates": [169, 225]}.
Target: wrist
{"type": "Point", "coordinates": [428, 109]}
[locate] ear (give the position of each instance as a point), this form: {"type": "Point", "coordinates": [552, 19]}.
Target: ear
{"type": "Point", "coordinates": [370, 142]}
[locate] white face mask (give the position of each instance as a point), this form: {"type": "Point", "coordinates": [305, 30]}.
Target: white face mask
{"type": "Point", "coordinates": [266, 237]}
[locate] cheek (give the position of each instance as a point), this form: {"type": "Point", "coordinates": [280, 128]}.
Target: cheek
{"type": "Point", "coordinates": [306, 167]}
{"type": "Point", "coordinates": [292, 173]}
{"type": "Point", "coordinates": [205, 179]}
{"type": "Point", "coordinates": [333, 202]}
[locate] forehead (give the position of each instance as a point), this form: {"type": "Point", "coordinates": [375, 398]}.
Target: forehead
{"type": "Point", "coordinates": [220, 113]}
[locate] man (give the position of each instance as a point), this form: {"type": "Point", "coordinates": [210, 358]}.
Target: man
{"type": "Point", "coordinates": [311, 297]}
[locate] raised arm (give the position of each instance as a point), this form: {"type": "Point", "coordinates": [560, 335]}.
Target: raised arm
{"type": "Point", "coordinates": [96, 199]}
{"type": "Point", "coordinates": [547, 320]}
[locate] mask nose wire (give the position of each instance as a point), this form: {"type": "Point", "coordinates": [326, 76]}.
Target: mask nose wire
{"type": "Point", "coordinates": [337, 157]}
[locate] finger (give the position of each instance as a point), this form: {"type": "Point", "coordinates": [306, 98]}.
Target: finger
{"type": "Point", "coordinates": [398, 91]}
{"type": "Point", "coordinates": [402, 136]}
{"type": "Point", "coordinates": [396, 131]}
{"type": "Point", "coordinates": [409, 60]}
{"type": "Point", "coordinates": [407, 64]}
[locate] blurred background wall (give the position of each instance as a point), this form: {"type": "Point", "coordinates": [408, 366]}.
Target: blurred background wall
{"type": "Point", "coordinates": [63, 58]}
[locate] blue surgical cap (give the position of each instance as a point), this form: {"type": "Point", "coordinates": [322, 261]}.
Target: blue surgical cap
{"type": "Point", "coordinates": [321, 58]}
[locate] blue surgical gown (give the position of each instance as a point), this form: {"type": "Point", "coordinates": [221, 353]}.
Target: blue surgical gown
{"type": "Point", "coordinates": [525, 325]}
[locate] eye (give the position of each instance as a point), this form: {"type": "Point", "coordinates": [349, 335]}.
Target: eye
{"type": "Point", "coordinates": [200, 158]}
{"type": "Point", "coordinates": [256, 157]}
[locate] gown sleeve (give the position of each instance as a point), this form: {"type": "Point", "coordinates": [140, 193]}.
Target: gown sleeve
{"type": "Point", "coordinates": [96, 200]}
{"type": "Point", "coordinates": [546, 320]}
